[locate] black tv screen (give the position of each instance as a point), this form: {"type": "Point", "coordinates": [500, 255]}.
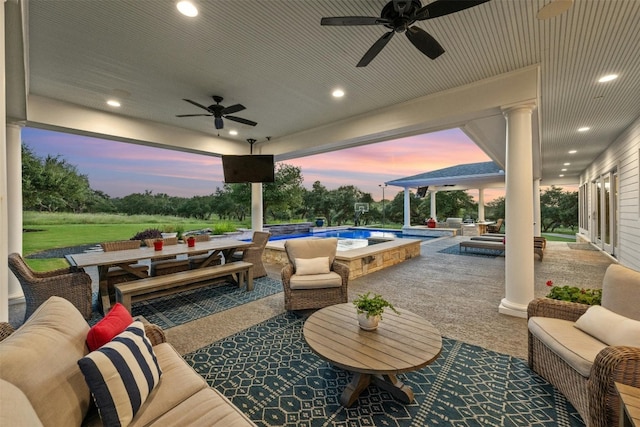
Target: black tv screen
{"type": "Point", "coordinates": [248, 168]}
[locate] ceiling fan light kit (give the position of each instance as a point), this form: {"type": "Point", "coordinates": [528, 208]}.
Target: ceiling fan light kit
{"type": "Point", "coordinates": [399, 16]}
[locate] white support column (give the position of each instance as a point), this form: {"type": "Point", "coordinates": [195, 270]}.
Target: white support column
{"type": "Point", "coordinates": [14, 201]}
{"type": "Point", "coordinates": [519, 273]}
{"type": "Point", "coordinates": [4, 223]}
{"type": "Point", "coordinates": [481, 204]}
{"type": "Point", "coordinates": [433, 192]}
{"type": "Point", "coordinates": [537, 218]}
{"type": "Point", "coordinates": [407, 207]}
{"type": "Point", "coordinates": [257, 218]}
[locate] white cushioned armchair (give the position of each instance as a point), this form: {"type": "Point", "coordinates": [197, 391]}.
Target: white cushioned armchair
{"type": "Point", "coordinates": [583, 350]}
{"type": "Point", "coordinates": [313, 279]}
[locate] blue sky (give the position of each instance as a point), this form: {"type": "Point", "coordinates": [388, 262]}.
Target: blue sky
{"type": "Point", "coordinates": [119, 169]}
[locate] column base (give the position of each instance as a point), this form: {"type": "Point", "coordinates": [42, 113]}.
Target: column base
{"type": "Point", "coordinates": [512, 309]}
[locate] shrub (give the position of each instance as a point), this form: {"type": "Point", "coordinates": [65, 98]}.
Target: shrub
{"type": "Point", "coordinates": [149, 233]}
{"type": "Point", "coordinates": [575, 294]}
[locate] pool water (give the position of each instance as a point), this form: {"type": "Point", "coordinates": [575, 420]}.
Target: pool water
{"type": "Point", "coordinates": [349, 233]}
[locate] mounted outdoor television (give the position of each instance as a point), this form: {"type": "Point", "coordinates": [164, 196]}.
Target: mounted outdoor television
{"type": "Point", "coordinates": [422, 191]}
{"type": "Point", "coordinates": [248, 168]}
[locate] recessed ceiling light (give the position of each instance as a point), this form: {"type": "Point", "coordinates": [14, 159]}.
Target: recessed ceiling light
{"type": "Point", "coordinates": [113, 103]}
{"type": "Point", "coordinates": [573, 151]}
{"type": "Point", "coordinates": [561, 175]}
{"type": "Point", "coordinates": [566, 164]}
{"type": "Point", "coordinates": [563, 170]}
{"type": "Point", "coordinates": [187, 8]}
{"type": "Point", "coordinates": [233, 132]}
{"type": "Point", "coordinates": [607, 78]}
{"type": "Point", "coordinates": [338, 93]}
{"type": "Point", "coordinates": [583, 129]}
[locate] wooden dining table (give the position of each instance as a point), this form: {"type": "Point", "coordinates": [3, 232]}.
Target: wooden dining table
{"type": "Point", "coordinates": [402, 343]}
{"type": "Point", "coordinates": [126, 258]}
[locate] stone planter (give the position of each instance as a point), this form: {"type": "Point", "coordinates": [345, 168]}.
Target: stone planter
{"type": "Point", "coordinates": [368, 323]}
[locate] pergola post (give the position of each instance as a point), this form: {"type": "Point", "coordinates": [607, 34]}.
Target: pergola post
{"type": "Point", "coordinates": [537, 217]}
{"type": "Point", "coordinates": [14, 201]}
{"type": "Point", "coordinates": [257, 217]}
{"type": "Point", "coordinates": [433, 192]}
{"type": "Point", "coordinates": [481, 204]}
{"type": "Point", "coordinates": [407, 207]}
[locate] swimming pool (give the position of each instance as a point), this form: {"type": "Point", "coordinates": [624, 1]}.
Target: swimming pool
{"type": "Point", "coordinates": [349, 233]}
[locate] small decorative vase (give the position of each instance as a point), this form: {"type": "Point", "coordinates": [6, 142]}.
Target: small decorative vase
{"type": "Point", "coordinates": [191, 242]}
{"type": "Point", "coordinates": [157, 245]}
{"type": "Point", "coordinates": [319, 222]}
{"type": "Point", "coordinates": [368, 323]}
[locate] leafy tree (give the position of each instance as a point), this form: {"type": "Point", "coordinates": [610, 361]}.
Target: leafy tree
{"type": "Point", "coordinates": [558, 208]}
{"type": "Point", "coordinates": [496, 208]}
{"type": "Point", "coordinates": [285, 194]}
{"type": "Point", "coordinates": [450, 204]}
{"type": "Point", "coordinates": [52, 184]}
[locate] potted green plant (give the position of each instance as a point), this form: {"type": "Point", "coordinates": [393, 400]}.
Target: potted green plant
{"type": "Point", "coordinates": [574, 294]}
{"type": "Point", "coordinates": [370, 309]}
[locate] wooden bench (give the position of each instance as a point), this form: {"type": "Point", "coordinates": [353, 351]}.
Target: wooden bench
{"type": "Point", "coordinates": [152, 287]}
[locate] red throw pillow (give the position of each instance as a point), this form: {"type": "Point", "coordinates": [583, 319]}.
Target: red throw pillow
{"type": "Point", "coordinates": [114, 323]}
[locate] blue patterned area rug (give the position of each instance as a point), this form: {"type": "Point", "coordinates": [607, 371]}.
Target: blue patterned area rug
{"type": "Point", "coordinates": [270, 373]}
{"type": "Point", "coordinates": [184, 307]}
{"type": "Point", "coordinates": [455, 250]}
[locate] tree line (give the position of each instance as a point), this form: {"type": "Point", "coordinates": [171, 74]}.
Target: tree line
{"type": "Point", "coordinates": [52, 184]}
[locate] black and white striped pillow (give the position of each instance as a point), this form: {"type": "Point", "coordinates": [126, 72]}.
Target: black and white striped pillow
{"type": "Point", "coordinates": [121, 374]}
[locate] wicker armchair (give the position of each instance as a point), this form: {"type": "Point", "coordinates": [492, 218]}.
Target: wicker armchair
{"type": "Point", "coordinates": [594, 396]}
{"type": "Point", "coordinates": [495, 228]}
{"type": "Point", "coordinates": [303, 292]}
{"type": "Point", "coordinates": [253, 253]}
{"type": "Point", "coordinates": [69, 283]}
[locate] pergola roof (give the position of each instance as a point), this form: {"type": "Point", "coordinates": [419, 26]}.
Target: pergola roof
{"type": "Point", "coordinates": [460, 177]}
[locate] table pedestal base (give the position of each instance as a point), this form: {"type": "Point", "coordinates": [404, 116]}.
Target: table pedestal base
{"type": "Point", "coordinates": [389, 383]}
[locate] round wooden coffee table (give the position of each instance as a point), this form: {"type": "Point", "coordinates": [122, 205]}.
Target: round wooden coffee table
{"type": "Point", "coordinates": [402, 343]}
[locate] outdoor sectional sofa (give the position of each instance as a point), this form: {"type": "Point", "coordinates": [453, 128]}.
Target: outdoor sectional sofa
{"type": "Point", "coordinates": [41, 382]}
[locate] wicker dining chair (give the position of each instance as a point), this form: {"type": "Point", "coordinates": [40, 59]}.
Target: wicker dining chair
{"type": "Point", "coordinates": [305, 291]}
{"type": "Point", "coordinates": [117, 275]}
{"type": "Point", "coordinates": [196, 261]}
{"type": "Point", "coordinates": [170, 265]}
{"type": "Point", "coordinates": [253, 253]}
{"type": "Point", "coordinates": [68, 283]}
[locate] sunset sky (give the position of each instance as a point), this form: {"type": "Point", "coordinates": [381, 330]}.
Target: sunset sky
{"type": "Point", "coordinates": [119, 169]}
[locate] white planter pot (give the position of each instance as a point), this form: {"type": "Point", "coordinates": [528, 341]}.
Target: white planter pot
{"type": "Point", "coordinates": [368, 323]}
{"type": "Point", "coordinates": [169, 235]}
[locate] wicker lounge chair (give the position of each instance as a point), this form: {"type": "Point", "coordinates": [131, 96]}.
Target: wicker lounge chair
{"type": "Point", "coordinates": [306, 291]}
{"type": "Point", "coordinates": [253, 253]}
{"type": "Point", "coordinates": [591, 392]}
{"type": "Point", "coordinates": [71, 284]}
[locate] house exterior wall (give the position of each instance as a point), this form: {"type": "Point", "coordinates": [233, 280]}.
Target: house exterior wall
{"type": "Point", "coordinates": [624, 155]}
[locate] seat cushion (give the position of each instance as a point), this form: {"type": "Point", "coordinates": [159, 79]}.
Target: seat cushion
{"type": "Point", "coordinates": [40, 358]}
{"type": "Point", "coordinates": [316, 281]}
{"type": "Point", "coordinates": [577, 348]}
{"type": "Point", "coordinates": [15, 409]}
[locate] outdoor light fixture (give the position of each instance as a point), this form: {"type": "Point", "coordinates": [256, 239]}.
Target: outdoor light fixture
{"type": "Point", "coordinates": [233, 132]}
{"type": "Point", "coordinates": [583, 129]}
{"type": "Point", "coordinates": [113, 103]}
{"type": "Point", "coordinates": [573, 151]}
{"type": "Point", "coordinates": [607, 78]}
{"type": "Point", "coordinates": [187, 8]}
{"type": "Point", "coordinates": [338, 93]}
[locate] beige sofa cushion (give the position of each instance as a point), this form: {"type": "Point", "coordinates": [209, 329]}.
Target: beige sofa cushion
{"type": "Point", "coordinates": [618, 284]}
{"type": "Point", "coordinates": [575, 347]}
{"type": "Point", "coordinates": [609, 327]}
{"type": "Point", "coordinates": [206, 408]}
{"type": "Point", "coordinates": [15, 409]}
{"type": "Point", "coordinates": [311, 248]}
{"type": "Point", "coordinates": [40, 358]}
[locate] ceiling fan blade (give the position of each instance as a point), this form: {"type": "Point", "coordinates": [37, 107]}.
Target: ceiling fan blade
{"type": "Point", "coordinates": [196, 104]}
{"type": "Point", "coordinates": [424, 42]}
{"type": "Point", "coordinates": [192, 115]}
{"type": "Point", "coordinates": [218, 122]}
{"type": "Point", "coordinates": [445, 7]}
{"type": "Point", "coordinates": [233, 109]}
{"type": "Point", "coordinates": [375, 49]}
{"type": "Point", "coordinates": [241, 120]}
{"type": "Point", "coordinates": [354, 20]}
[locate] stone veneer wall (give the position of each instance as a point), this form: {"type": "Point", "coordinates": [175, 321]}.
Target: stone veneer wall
{"type": "Point", "coordinates": [360, 261]}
